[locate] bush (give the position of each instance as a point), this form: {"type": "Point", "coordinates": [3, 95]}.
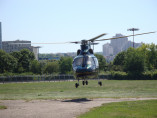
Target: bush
{"type": "Point", "coordinates": [117, 75]}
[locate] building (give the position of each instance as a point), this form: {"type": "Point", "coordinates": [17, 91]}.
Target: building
{"type": "Point", "coordinates": [36, 52]}
{"type": "Point", "coordinates": [0, 36]}
{"type": "Point", "coordinates": [118, 44]}
{"type": "Point", "coordinates": [12, 46]}
{"type": "Point", "coordinates": [107, 49]}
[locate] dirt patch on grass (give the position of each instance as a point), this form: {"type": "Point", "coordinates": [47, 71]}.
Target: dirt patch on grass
{"type": "Point", "coordinates": [54, 108]}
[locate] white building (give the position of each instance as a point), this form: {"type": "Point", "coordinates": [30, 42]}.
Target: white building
{"type": "Point", "coordinates": [107, 49]}
{"type": "Point", "coordinates": [119, 43]}
{"type": "Point", "coordinates": [12, 46]}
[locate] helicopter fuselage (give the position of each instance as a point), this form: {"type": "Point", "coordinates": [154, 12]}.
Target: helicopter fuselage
{"type": "Point", "coordinates": [85, 66]}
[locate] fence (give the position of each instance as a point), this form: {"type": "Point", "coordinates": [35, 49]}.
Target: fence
{"type": "Point", "coordinates": [35, 78]}
{"type": "Point", "coordinates": [38, 78]}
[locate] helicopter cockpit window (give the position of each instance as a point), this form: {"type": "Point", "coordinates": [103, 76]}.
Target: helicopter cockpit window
{"type": "Point", "coordinates": [89, 60]}
{"type": "Point", "coordinates": [78, 61]}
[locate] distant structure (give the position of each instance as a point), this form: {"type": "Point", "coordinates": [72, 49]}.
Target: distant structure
{"type": "Point", "coordinates": [36, 52]}
{"type": "Point", "coordinates": [107, 49]}
{"type": "Point", "coordinates": [110, 50]}
{"type": "Point", "coordinates": [0, 36]}
{"type": "Point", "coordinates": [11, 46]}
{"type": "Point", "coordinates": [118, 44]}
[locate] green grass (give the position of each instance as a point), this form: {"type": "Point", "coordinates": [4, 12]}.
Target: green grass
{"type": "Point", "coordinates": [3, 107]}
{"type": "Point", "coordinates": [64, 90]}
{"type": "Point", "coordinates": [129, 109]}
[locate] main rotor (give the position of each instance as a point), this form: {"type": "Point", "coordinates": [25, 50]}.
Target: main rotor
{"type": "Point", "coordinates": [91, 41]}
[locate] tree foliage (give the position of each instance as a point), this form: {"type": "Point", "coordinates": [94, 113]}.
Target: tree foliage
{"type": "Point", "coordinates": [18, 55]}
{"type": "Point", "coordinates": [138, 60]}
{"type": "Point", "coordinates": [120, 58]}
{"type": "Point", "coordinates": [7, 62]}
{"type": "Point", "coordinates": [24, 58]}
{"type": "Point", "coordinates": [35, 67]}
{"type": "Point", "coordinates": [152, 56]}
{"type": "Point", "coordinates": [51, 67]}
{"type": "Point", "coordinates": [134, 62]}
{"type": "Point", "coordinates": [65, 65]}
{"type": "Point", "coordinates": [102, 61]}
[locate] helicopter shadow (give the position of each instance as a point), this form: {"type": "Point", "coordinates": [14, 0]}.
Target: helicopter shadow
{"type": "Point", "coordinates": [80, 100]}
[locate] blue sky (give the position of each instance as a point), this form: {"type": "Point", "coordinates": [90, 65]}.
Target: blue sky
{"type": "Point", "coordinates": [73, 20]}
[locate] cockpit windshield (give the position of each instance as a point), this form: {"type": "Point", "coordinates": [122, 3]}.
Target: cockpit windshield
{"type": "Point", "coordinates": [89, 61]}
{"type": "Point", "coordinates": [80, 61]}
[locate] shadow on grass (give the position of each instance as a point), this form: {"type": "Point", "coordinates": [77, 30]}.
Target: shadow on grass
{"type": "Point", "coordinates": [78, 100]}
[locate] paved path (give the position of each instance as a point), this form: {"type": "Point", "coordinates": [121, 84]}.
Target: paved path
{"type": "Point", "coordinates": [54, 108]}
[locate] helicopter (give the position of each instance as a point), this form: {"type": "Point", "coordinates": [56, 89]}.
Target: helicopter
{"type": "Point", "coordinates": [85, 65]}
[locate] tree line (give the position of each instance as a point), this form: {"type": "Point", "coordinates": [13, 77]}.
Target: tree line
{"type": "Point", "coordinates": [137, 60]}
{"type": "Point", "coordinates": [24, 62]}
{"type": "Point", "coordinates": [139, 63]}
{"type": "Point", "coordinates": [130, 62]}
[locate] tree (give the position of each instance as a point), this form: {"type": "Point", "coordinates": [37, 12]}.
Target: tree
{"type": "Point", "coordinates": [134, 62]}
{"type": "Point", "coordinates": [51, 67]}
{"type": "Point", "coordinates": [65, 65]}
{"type": "Point", "coordinates": [18, 56]}
{"type": "Point", "coordinates": [102, 61]}
{"type": "Point", "coordinates": [7, 62]}
{"type": "Point", "coordinates": [120, 58]}
{"type": "Point", "coordinates": [119, 61]}
{"type": "Point", "coordinates": [152, 56]}
{"type": "Point", "coordinates": [24, 58]}
{"type": "Point", "coordinates": [35, 67]}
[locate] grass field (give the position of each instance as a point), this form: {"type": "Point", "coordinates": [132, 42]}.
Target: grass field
{"type": "Point", "coordinates": [128, 109]}
{"type": "Point", "coordinates": [64, 90]}
{"type": "Point", "coordinates": [3, 107]}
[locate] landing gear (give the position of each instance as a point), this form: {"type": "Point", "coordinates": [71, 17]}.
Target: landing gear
{"type": "Point", "coordinates": [100, 83]}
{"type": "Point", "coordinates": [83, 83]}
{"type": "Point", "coordinates": [76, 85]}
{"type": "Point", "coordinates": [86, 82]}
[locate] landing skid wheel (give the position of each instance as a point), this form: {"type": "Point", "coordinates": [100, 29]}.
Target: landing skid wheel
{"type": "Point", "coordinates": [100, 83]}
{"type": "Point", "coordinates": [76, 85]}
{"type": "Point", "coordinates": [86, 82]}
{"type": "Point", "coordinates": [83, 82]}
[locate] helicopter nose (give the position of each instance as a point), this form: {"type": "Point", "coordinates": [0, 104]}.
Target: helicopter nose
{"type": "Point", "coordinates": [83, 69]}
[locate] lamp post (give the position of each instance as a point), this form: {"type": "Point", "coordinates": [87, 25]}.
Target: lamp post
{"type": "Point", "coordinates": [133, 29]}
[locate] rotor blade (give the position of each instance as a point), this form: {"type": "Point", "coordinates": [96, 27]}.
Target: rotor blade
{"type": "Point", "coordinates": [126, 36]}
{"type": "Point", "coordinates": [94, 43]}
{"type": "Point", "coordinates": [37, 46]}
{"type": "Point", "coordinates": [76, 42]}
{"type": "Point", "coordinates": [19, 43]}
{"type": "Point", "coordinates": [52, 43]}
{"type": "Point", "coordinates": [92, 39]}
{"type": "Point", "coordinates": [42, 43]}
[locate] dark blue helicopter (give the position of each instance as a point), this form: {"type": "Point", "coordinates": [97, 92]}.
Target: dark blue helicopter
{"type": "Point", "coordinates": [85, 64]}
